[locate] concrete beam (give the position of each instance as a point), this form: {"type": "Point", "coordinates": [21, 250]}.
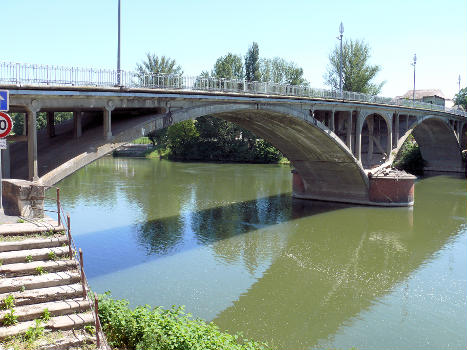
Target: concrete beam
{"type": "Point", "coordinates": [358, 136]}
{"type": "Point", "coordinates": [349, 132]}
{"type": "Point", "coordinates": [396, 127]}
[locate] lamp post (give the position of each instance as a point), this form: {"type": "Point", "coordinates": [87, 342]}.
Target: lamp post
{"type": "Point", "coordinates": [118, 49]}
{"type": "Point", "coordinates": [413, 64]}
{"type": "Point", "coordinates": [341, 31]}
{"type": "Point", "coordinates": [459, 82]}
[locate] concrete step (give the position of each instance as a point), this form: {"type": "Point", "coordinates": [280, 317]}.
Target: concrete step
{"type": "Point", "coordinates": [43, 295]}
{"type": "Point", "coordinates": [20, 256]}
{"type": "Point", "coordinates": [33, 243]}
{"type": "Point", "coordinates": [69, 340]}
{"type": "Point", "coordinates": [67, 322]}
{"type": "Point", "coordinates": [24, 269]}
{"type": "Point", "coordinates": [15, 284]}
{"type": "Point", "coordinates": [55, 308]}
{"type": "Point", "coordinates": [31, 227]}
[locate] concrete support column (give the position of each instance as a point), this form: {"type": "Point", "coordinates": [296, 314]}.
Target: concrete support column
{"type": "Point", "coordinates": [331, 123]}
{"type": "Point", "coordinates": [349, 131]}
{"type": "Point", "coordinates": [369, 123]}
{"type": "Point", "coordinates": [358, 137]}
{"type": "Point", "coordinates": [109, 107]}
{"type": "Point", "coordinates": [77, 129]}
{"type": "Point", "coordinates": [389, 143]}
{"type": "Point", "coordinates": [33, 174]}
{"type": "Point", "coordinates": [407, 123]}
{"type": "Point", "coordinates": [25, 124]}
{"type": "Point", "coordinates": [51, 124]}
{"type": "Point", "coordinates": [396, 127]}
{"type": "Point", "coordinates": [6, 174]}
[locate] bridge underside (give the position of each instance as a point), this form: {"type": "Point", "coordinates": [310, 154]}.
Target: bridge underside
{"type": "Point", "coordinates": [327, 171]}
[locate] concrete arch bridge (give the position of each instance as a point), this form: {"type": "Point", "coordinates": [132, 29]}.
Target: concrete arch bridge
{"type": "Point", "coordinates": [337, 144]}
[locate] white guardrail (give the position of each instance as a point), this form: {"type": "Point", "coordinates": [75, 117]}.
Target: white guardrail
{"type": "Point", "coordinates": [40, 75]}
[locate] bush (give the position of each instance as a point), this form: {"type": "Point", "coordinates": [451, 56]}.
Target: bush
{"type": "Point", "coordinates": [151, 329]}
{"type": "Point", "coordinates": [410, 158]}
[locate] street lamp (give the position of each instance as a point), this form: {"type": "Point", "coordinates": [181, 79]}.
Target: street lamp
{"type": "Point", "coordinates": [118, 50]}
{"type": "Point", "coordinates": [413, 64]}
{"type": "Point", "coordinates": [459, 82]}
{"type": "Point", "coordinates": [341, 30]}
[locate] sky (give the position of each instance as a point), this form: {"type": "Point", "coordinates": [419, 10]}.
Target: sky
{"type": "Point", "coordinates": [196, 32]}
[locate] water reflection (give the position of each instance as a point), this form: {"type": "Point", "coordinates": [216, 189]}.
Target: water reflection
{"type": "Point", "coordinates": [230, 242]}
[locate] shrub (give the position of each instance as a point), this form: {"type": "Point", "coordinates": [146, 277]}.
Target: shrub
{"type": "Point", "coordinates": [8, 302]}
{"type": "Point", "coordinates": [410, 158]}
{"type": "Point", "coordinates": [151, 329]}
{"type": "Point", "coordinates": [10, 318]}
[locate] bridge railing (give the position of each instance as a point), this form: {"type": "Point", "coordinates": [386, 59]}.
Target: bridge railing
{"type": "Point", "coordinates": [40, 75]}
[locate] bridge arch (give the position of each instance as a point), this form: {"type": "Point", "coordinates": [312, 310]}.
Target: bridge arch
{"type": "Point", "coordinates": [437, 141]}
{"type": "Point", "coordinates": [376, 131]}
{"type": "Point", "coordinates": [326, 166]}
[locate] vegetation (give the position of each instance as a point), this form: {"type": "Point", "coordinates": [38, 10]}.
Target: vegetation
{"type": "Point", "coordinates": [410, 158]}
{"type": "Point", "coordinates": [29, 259]}
{"type": "Point", "coordinates": [357, 73]}
{"type": "Point", "coordinates": [460, 98]}
{"type": "Point", "coordinates": [8, 302]}
{"type": "Point", "coordinates": [10, 318]}
{"type": "Point", "coordinates": [151, 329]}
{"type": "Point", "coordinates": [252, 68]}
{"type": "Point", "coordinates": [45, 315]}
{"type": "Point", "coordinates": [40, 270]}
{"type": "Point", "coordinates": [41, 120]}
{"type": "Point", "coordinates": [52, 256]}
{"type": "Point", "coordinates": [155, 65]}
{"type": "Point", "coordinates": [34, 333]}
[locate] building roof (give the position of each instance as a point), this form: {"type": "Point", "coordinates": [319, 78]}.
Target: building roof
{"type": "Point", "coordinates": [419, 94]}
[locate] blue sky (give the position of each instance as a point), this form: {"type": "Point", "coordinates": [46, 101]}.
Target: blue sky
{"type": "Point", "coordinates": [84, 33]}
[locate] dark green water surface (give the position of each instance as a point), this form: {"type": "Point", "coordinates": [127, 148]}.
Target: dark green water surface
{"type": "Point", "coordinates": [229, 242]}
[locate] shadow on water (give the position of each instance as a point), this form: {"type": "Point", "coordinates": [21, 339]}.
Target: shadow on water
{"type": "Point", "coordinates": [331, 273]}
{"type": "Point", "coordinates": [112, 250]}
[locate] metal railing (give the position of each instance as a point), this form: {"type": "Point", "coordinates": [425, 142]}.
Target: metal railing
{"type": "Point", "coordinates": [45, 75]}
{"type": "Point", "coordinates": [77, 254]}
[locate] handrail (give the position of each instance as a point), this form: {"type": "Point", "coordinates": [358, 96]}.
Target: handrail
{"type": "Point", "coordinates": [44, 75]}
{"type": "Point", "coordinates": [64, 220]}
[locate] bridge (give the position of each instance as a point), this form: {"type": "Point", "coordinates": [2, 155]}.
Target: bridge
{"type": "Point", "coordinates": [339, 144]}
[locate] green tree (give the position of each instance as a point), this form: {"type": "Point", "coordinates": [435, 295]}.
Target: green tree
{"type": "Point", "coordinates": [460, 98]}
{"type": "Point", "coordinates": [278, 70]}
{"type": "Point", "coordinates": [155, 65]}
{"type": "Point", "coordinates": [357, 73]}
{"type": "Point", "coordinates": [252, 66]}
{"type": "Point", "coordinates": [229, 66]}
{"type": "Point", "coordinates": [181, 138]}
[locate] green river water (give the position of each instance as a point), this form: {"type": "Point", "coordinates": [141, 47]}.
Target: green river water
{"type": "Point", "coordinates": [229, 242]}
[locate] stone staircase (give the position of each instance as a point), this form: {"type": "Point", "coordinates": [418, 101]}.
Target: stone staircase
{"type": "Point", "coordinates": [41, 290]}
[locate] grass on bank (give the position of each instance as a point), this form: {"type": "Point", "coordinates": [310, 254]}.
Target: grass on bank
{"type": "Point", "coordinates": [146, 328]}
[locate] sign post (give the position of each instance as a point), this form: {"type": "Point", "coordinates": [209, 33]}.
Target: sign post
{"type": "Point", "coordinates": [6, 125]}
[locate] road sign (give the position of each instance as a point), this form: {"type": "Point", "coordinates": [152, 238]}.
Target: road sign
{"type": "Point", "coordinates": [4, 100]}
{"type": "Point", "coordinates": [5, 124]}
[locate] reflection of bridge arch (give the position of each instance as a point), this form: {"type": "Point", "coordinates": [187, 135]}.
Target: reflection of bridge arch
{"type": "Point", "coordinates": [438, 143]}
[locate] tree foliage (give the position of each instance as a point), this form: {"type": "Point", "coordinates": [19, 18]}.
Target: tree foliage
{"type": "Point", "coordinates": [155, 65]}
{"type": "Point", "coordinates": [252, 66]}
{"type": "Point", "coordinates": [460, 98]}
{"type": "Point", "coordinates": [278, 70]}
{"type": "Point", "coordinates": [357, 73]}
{"type": "Point", "coordinates": [229, 66]}
{"type": "Point", "coordinates": [41, 120]}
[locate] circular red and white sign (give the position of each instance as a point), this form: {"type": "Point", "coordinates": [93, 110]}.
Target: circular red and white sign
{"type": "Point", "coordinates": [5, 124]}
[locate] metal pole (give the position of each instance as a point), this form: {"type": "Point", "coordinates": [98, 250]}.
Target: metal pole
{"type": "Point", "coordinates": [1, 182]}
{"type": "Point", "coordinates": [70, 250]}
{"type": "Point", "coordinates": [414, 63]}
{"type": "Point", "coordinates": [58, 207]}
{"type": "Point", "coordinates": [118, 53]}
{"type": "Point", "coordinates": [98, 328]}
{"type": "Point", "coordinates": [459, 81]}
{"type": "Point", "coordinates": [341, 30]}
{"type": "Point", "coordinates": [82, 273]}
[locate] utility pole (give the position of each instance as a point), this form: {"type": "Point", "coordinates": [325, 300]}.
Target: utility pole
{"type": "Point", "coordinates": [118, 50]}
{"type": "Point", "coordinates": [341, 31]}
{"type": "Point", "coordinates": [413, 64]}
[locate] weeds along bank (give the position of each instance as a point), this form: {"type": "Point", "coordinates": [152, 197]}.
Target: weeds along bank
{"type": "Point", "coordinates": [146, 328]}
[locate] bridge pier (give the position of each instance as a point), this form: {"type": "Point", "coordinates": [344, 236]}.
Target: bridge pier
{"type": "Point", "coordinates": [32, 109]}
{"type": "Point", "coordinates": [77, 129]}
{"type": "Point", "coordinates": [51, 124]}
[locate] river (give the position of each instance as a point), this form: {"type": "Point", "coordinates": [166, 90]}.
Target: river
{"type": "Point", "coordinates": [229, 243]}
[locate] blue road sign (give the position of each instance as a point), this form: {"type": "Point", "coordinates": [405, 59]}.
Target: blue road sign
{"type": "Point", "coordinates": [4, 100]}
